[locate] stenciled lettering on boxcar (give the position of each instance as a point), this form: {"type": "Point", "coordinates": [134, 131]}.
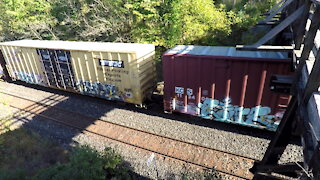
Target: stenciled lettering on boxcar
{"type": "Point", "coordinates": [224, 110]}
{"type": "Point", "coordinates": [111, 63]}
{"type": "Point", "coordinates": [102, 90]}
{"type": "Point", "coordinates": [113, 75]}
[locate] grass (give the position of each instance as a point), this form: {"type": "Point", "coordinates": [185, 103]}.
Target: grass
{"type": "Point", "coordinates": [23, 153]}
{"type": "Point", "coordinates": [26, 156]}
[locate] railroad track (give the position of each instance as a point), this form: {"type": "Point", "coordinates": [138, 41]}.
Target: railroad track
{"type": "Point", "coordinates": [198, 155]}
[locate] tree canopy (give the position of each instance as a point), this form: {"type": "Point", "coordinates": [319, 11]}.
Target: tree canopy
{"type": "Point", "coordinates": [163, 23]}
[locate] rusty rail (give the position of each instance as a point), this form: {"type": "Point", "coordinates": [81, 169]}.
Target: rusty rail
{"type": "Point", "coordinates": [198, 155]}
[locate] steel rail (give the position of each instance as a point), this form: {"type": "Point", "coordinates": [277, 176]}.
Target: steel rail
{"type": "Point", "coordinates": [134, 130]}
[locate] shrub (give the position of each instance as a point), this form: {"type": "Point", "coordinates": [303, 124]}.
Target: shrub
{"type": "Point", "coordinates": [87, 163]}
{"type": "Point", "coordinates": [18, 174]}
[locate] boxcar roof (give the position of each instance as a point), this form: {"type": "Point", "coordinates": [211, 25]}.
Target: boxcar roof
{"type": "Point", "coordinates": [225, 51]}
{"type": "Point", "coordinates": [139, 49]}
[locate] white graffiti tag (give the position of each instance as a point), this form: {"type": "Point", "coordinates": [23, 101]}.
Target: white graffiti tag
{"type": "Point", "coordinates": [29, 77]}
{"type": "Point", "coordinates": [225, 111]}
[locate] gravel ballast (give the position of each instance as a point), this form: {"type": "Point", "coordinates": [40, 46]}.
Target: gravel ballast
{"type": "Point", "coordinates": [230, 138]}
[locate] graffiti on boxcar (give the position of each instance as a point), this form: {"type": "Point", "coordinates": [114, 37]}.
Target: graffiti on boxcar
{"type": "Point", "coordinates": [102, 90]}
{"type": "Point", "coordinates": [225, 111]}
{"type": "Point", "coordinates": [31, 78]}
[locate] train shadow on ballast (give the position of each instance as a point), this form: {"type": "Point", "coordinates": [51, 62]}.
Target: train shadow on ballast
{"type": "Point", "coordinates": [30, 119]}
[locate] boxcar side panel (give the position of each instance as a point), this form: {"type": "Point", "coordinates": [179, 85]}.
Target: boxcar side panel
{"type": "Point", "coordinates": [9, 64]}
{"type": "Point", "coordinates": [104, 74]}
{"type": "Point", "coordinates": [147, 74]}
{"type": "Point", "coordinates": [122, 72]}
{"type": "Point", "coordinates": [23, 64]}
{"type": "Point", "coordinates": [234, 90]}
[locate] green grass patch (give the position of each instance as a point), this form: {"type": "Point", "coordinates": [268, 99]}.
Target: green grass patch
{"type": "Point", "coordinates": [86, 163]}
{"type": "Point", "coordinates": [26, 156]}
{"type": "Point", "coordinates": [22, 153]}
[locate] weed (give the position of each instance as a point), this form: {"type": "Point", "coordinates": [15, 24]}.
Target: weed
{"type": "Point", "coordinates": [18, 174]}
{"type": "Point", "coordinates": [26, 156]}
{"type": "Point", "coordinates": [23, 152]}
{"type": "Point", "coordinates": [87, 163]}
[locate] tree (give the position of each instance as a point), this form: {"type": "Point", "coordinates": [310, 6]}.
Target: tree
{"type": "Point", "coordinates": [162, 23]}
{"type": "Point", "coordinates": [243, 16]}
{"type": "Point", "coordinates": [171, 22]}
{"type": "Point", "coordinates": [146, 19]}
{"type": "Point", "coordinates": [20, 19]}
{"type": "Point", "coordinates": [91, 20]}
{"type": "Point", "coordinates": [197, 22]}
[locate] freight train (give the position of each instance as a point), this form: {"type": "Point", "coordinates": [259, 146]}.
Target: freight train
{"type": "Point", "coordinates": [217, 83]}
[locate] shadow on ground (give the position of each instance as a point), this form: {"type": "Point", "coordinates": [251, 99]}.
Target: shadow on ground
{"type": "Point", "coordinates": [34, 118]}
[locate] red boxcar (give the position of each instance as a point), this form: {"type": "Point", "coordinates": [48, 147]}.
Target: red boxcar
{"type": "Point", "coordinates": [225, 84]}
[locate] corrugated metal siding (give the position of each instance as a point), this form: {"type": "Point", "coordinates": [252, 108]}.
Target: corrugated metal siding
{"type": "Point", "coordinates": [222, 88]}
{"type": "Point", "coordinates": [23, 64]}
{"type": "Point", "coordinates": [112, 75]}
